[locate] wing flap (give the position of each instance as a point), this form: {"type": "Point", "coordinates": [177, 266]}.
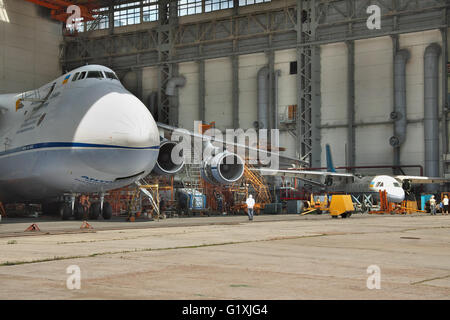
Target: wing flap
{"type": "Point", "coordinates": [422, 180]}
{"type": "Point", "coordinates": [307, 175]}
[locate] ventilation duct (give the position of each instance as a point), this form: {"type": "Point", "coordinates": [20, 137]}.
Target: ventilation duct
{"type": "Point", "coordinates": [152, 103]}
{"type": "Point", "coordinates": [173, 84]}
{"type": "Point", "coordinates": [263, 98]}
{"type": "Point", "coordinates": [431, 111]}
{"type": "Point", "coordinates": [399, 113]}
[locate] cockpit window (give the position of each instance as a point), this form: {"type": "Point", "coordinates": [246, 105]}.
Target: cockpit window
{"type": "Point", "coordinates": [380, 184]}
{"type": "Point", "coordinates": [111, 75]}
{"type": "Point", "coordinates": [95, 74]}
{"type": "Point", "coordinates": [396, 184]}
{"type": "Point", "coordinates": [75, 77]}
{"type": "Point", "coordinates": [82, 75]}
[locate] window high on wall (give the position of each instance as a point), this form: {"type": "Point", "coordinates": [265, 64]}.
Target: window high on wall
{"type": "Point", "coordinates": [126, 14]}
{"type": "Point", "coordinates": [150, 11]}
{"type": "Point", "coordinates": [136, 12]}
{"type": "Point", "coordinates": [212, 5]}
{"type": "Point", "coordinates": [248, 2]}
{"type": "Point", "coordinates": [101, 22]}
{"type": "Point", "coordinates": [187, 7]}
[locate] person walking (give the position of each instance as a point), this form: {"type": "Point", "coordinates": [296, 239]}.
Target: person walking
{"type": "Point", "coordinates": [445, 203]}
{"type": "Point", "coordinates": [250, 204]}
{"type": "Point", "coordinates": [433, 206]}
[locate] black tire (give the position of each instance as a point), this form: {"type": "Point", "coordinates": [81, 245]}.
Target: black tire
{"type": "Point", "coordinates": [94, 211]}
{"type": "Point", "coordinates": [107, 211]}
{"type": "Point", "coordinates": [80, 211]}
{"type": "Point", "coordinates": [65, 210]}
{"type": "Point", "coordinates": [50, 209]}
{"type": "Point", "coordinates": [346, 215]}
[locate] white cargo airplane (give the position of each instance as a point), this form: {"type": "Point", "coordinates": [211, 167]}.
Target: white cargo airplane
{"type": "Point", "coordinates": [81, 133]}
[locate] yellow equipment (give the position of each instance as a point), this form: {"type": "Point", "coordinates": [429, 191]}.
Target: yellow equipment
{"type": "Point", "coordinates": [340, 205]}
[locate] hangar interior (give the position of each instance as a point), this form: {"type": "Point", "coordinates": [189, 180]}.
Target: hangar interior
{"type": "Point", "coordinates": [312, 69]}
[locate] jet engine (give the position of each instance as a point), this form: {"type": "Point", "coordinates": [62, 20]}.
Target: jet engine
{"type": "Point", "coordinates": [223, 168]}
{"type": "Point", "coordinates": [406, 185]}
{"type": "Point", "coordinates": [164, 164]}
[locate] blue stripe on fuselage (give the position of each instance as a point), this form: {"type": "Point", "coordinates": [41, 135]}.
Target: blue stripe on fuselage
{"type": "Point", "coordinates": [46, 145]}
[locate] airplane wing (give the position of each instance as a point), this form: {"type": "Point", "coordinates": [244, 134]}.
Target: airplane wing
{"type": "Point", "coordinates": [421, 180]}
{"type": "Point", "coordinates": [287, 159]}
{"type": "Point", "coordinates": [312, 177]}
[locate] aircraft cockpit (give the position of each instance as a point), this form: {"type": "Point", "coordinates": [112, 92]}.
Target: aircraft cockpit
{"type": "Point", "coordinates": [101, 75]}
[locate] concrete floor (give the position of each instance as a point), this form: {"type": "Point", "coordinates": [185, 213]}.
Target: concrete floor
{"type": "Point", "coordinates": [274, 257]}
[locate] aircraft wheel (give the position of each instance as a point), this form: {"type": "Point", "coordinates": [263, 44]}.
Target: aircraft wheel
{"type": "Point", "coordinates": [65, 210]}
{"type": "Point", "coordinates": [107, 211]}
{"type": "Point", "coordinates": [346, 215]}
{"type": "Point", "coordinates": [80, 211]}
{"type": "Point", "coordinates": [94, 211]}
{"type": "Point", "coordinates": [50, 209]}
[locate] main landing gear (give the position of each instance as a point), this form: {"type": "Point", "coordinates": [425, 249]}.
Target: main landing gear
{"type": "Point", "coordinates": [79, 208]}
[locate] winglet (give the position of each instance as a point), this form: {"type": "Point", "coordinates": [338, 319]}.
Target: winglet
{"type": "Point", "coordinates": [330, 166]}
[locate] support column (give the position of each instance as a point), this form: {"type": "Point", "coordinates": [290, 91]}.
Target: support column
{"type": "Point", "coordinates": [168, 22]}
{"type": "Point", "coordinates": [235, 89]}
{"type": "Point", "coordinates": [445, 102]}
{"type": "Point", "coordinates": [271, 113]}
{"type": "Point", "coordinates": [111, 17]}
{"type": "Point", "coordinates": [201, 90]}
{"type": "Point", "coordinates": [139, 89]}
{"type": "Point", "coordinates": [351, 155]}
{"type": "Point", "coordinates": [235, 67]}
{"type": "Point", "coordinates": [308, 85]}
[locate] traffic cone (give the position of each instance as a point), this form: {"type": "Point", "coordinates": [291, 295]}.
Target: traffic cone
{"type": "Point", "coordinates": [33, 227]}
{"type": "Point", "coordinates": [86, 225]}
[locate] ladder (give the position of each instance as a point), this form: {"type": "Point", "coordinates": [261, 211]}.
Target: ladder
{"type": "Point", "coordinates": [143, 187]}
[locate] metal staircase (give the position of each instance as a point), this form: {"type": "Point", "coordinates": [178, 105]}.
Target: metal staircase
{"type": "Point", "coordinates": [143, 186]}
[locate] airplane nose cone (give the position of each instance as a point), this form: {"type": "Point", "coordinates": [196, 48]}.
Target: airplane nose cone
{"type": "Point", "coordinates": [397, 196]}
{"type": "Point", "coordinates": [122, 131]}
{"type": "Point", "coordinates": [119, 119]}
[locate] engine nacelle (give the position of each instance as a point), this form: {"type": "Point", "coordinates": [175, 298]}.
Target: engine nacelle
{"type": "Point", "coordinates": [223, 168]}
{"type": "Point", "coordinates": [164, 165]}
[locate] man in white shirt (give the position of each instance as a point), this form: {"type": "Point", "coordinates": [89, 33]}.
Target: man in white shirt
{"type": "Point", "coordinates": [445, 203]}
{"type": "Point", "coordinates": [250, 204]}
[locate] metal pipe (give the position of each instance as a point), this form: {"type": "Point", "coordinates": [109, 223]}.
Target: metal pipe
{"type": "Point", "coordinates": [431, 105]}
{"type": "Point", "coordinates": [152, 102]}
{"type": "Point", "coordinates": [399, 113]}
{"type": "Point", "coordinates": [173, 84]}
{"type": "Point", "coordinates": [277, 76]}
{"type": "Point", "coordinates": [263, 99]}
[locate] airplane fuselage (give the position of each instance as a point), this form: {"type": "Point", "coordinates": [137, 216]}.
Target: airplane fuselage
{"type": "Point", "coordinates": [373, 185]}
{"type": "Point", "coordinates": [74, 136]}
